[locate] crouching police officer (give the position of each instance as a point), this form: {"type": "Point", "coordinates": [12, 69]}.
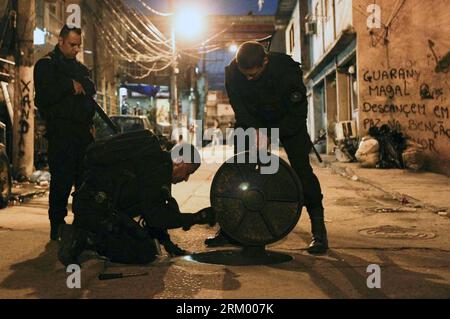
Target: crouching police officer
{"type": "Point", "coordinates": [266, 90]}
{"type": "Point", "coordinates": [112, 196]}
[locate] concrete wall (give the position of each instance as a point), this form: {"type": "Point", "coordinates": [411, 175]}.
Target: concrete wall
{"type": "Point", "coordinates": [317, 40]}
{"type": "Point", "coordinates": [295, 24]}
{"type": "Point", "coordinates": [328, 21]}
{"type": "Point", "coordinates": [404, 75]}
{"type": "Point", "coordinates": [344, 15]}
{"type": "Point", "coordinates": [332, 17]}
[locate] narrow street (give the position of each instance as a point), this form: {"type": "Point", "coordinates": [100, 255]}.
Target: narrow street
{"type": "Point", "coordinates": [407, 239]}
{"type": "Point", "coordinates": [96, 93]}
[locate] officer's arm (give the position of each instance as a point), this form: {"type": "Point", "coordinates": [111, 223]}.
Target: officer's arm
{"type": "Point", "coordinates": [87, 85]}
{"type": "Point", "coordinates": [157, 210]}
{"type": "Point", "coordinates": [86, 82]}
{"type": "Point", "coordinates": [79, 73]}
{"type": "Point", "coordinates": [50, 89]}
{"type": "Point", "coordinates": [243, 118]}
{"type": "Point", "coordinates": [295, 100]}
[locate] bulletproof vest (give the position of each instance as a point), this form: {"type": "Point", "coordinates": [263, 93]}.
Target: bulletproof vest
{"type": "Point", "coordinates": [118, 165]}
{"type": "Point", "coordinates": [115, 150]}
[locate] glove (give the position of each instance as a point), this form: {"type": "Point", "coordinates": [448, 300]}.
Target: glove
{"type": "Point", "coordinates": [207, 216]}
{"type": "Point", "coordinates": [173, 205]}
{"type": "Point", "coordinates": [172, 249]}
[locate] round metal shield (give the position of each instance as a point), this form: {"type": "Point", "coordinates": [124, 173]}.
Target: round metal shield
{"type": "Point", "coordinates": [257, 204]}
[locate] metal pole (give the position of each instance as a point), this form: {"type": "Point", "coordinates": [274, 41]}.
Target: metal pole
{"type": "Point", "coordinates": [174, 77]}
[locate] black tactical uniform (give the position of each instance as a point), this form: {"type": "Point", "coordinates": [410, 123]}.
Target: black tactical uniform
{"type": "Point", "coordinates": [278, 100]}
{"type": "Point", "coordinates": [68, 125]}
{"type": "Point", "coordinates": [110, 198]}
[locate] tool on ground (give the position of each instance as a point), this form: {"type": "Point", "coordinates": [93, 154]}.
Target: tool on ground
{"type": "Point", "coordinates": [120, 275]}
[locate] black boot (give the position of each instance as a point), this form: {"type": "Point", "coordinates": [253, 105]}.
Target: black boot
{"type": "Point", "coordinates": [73, 242]}
{"type": "Point", "coordinates": [206, 216]}
{"type": "Point", "coordinates": [221, 239]}
{"type": "Point", "coordinates": [55, 227]}
{"type": "Point", "coordinates": [319, 243]}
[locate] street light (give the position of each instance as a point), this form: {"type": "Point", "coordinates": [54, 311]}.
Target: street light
{"type": "Point", "coordinates": [188, 24]}
{"type": "Point", "coordinates": [233, 47]}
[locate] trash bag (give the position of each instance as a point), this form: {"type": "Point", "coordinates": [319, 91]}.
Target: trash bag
{"type": "Point", "coordinates": [342, 156]}
{"type": "Point", "coordinates": [44, 177]}
{"type": "Point", "coordinates": [35, 176]}
{"type": "Point", "coordinates": [392, 144]}
{"type": "Point", "coordinates": [40, 176]}
{"type": "Point", "coordinates": [346, 150]}
{"type": "Point", "coordinates": [413, 155]}
{"type": "Point", "coordinates": [368, 154]}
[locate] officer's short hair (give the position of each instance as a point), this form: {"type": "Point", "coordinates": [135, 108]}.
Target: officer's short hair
{"type": "Point", "coordinates": [66, 29]}
{"type": "Point", "coordinates": [250, 54]}
{"type": "Point", "coordinates": [187, 153]}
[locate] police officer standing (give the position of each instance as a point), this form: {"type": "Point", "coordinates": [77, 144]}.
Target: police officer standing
{"type": "Point", "coordinates": [266, 90]}
{"type": "Point", "coordinates": [64, 98]}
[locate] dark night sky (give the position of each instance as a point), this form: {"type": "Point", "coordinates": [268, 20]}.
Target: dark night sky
{"type": "Point", "coordinates": [217, 60]}
{"type": "Point", "coordinates": [218, 7]}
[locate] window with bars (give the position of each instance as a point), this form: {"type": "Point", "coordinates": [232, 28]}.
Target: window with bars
{"type": "Point", "coordinates": [291, 38]}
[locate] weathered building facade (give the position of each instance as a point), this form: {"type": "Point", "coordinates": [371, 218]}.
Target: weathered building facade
{"type": "Point", "coordinates": [320, 36]}
{"type": "Point", "coordinates": [403, 71]}
{"type": "Point", "coordinates": [370, 64]}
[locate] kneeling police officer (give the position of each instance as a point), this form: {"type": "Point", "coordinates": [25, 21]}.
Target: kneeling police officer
{"type": "Point", "coordinates": [127, 177]}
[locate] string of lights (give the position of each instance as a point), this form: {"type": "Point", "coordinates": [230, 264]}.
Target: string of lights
{"type": "Point", "coordinates": [133, 30]}
{"type": "Point", "coordinates": [146, 6]}
{"type": "Point", "coordinates": [123, 46]}
{"type": "Point", "coordinates": [139, 45]}
{"type": "Point", "coordinates": [116, 49]}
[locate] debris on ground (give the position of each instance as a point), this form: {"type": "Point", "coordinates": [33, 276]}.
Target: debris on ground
{"type": "Point", "coordinates": [392, 143]}
{"type": "Point", "coordinates": [368, 154]}
{"type": "Point", "coordinates": [345, 150]}
{"type": "Point", "coordinates": [17, 199]}
{"type": "Point", "coordinates": [393, 209]}
{"type": "Point", "coordinates": [39, 177]}
{"type": "Point", "coordinates": [405, 201]}
{"type": "Point", "coordinates": [413, 156]}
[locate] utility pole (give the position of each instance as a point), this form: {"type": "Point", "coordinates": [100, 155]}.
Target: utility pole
{"type": "Point", "coordinates": [193, 96]}
{"type": "Point", "coordinates": [23, 126]}
{"type": "Point", "coordinates": [175, 71]}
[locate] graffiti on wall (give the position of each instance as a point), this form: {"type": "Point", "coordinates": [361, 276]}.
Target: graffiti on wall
{"type": "Point", "coordinates": [442, 64]}
{"type": "Point", "coordinates": [390, 83]}
{"type": "Point", "coordinates": [25, 109]}
{"type": "Point", "coordinates": [425, 116]}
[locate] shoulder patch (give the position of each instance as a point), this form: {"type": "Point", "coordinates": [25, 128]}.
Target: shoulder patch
{"type": "Point", "coordinates": [296, 96]}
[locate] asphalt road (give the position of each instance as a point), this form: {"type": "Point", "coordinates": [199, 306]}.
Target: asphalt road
{"type": "Point", "coordinates": [409, 247]}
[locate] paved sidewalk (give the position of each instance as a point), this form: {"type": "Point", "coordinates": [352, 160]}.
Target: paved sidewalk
{"type": "Point", "coordinates": [420, 189]}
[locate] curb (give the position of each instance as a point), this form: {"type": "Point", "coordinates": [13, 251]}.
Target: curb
{"type": "Point", "coordinates": [400, 197]}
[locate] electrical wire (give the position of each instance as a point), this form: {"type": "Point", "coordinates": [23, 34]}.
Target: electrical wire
{"type": "Point", "coordinates": [146, 6]}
